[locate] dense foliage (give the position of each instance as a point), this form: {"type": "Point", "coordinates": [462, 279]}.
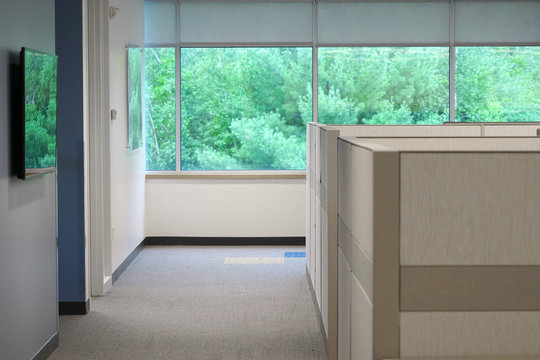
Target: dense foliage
{"type": "Point", "coordinates": [240, 108]}
{"type": "Point", "coordinates": [246, 108]}
{"type": "Point", "coordinates": [383, 85]}
{"type": "Point", "coordinates": [40, 110]}
{"type": "Point", "coordinates": [498, 83]}
{"type": "Point", "coordinates": [135, 97]}
{"type": "Point", "coordinates": [160, 103]}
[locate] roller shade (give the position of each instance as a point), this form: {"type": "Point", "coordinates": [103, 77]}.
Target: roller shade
{"type": "Point", "coordinates": [160, 22]}
{"type": "Point", "coordinates": [215, 22]}
{"type": "Point", "coordinates": [359, 23]}
{"type": "Point", "coordinates": [246, 22]}
{"type": "Point", "coordinates": [497, 22]}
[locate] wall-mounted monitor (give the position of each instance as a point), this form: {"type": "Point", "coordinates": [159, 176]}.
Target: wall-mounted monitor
{"type": "Point", "coordinates": [37, 126]}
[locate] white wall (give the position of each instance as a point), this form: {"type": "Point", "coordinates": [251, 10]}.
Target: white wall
{"type": "Point", "coordinates": [28, 285]}
{"type": "Point", "coordinates": [225, 208]}
{"type": "Point", "coordinates": [127, 167]}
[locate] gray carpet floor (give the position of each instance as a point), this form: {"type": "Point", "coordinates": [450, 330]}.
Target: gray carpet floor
{"type": "Point", "coordinates": [176, 302]}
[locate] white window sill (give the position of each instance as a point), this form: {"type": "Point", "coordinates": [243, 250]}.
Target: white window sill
{"type": "Point", "coordinates": [254, 174]}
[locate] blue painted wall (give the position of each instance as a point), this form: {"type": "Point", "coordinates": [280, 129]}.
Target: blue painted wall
{"type": "Point", "coordinates": [71, 251]}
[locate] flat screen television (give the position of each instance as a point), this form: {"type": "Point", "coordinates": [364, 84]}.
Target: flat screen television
{"type": "Point", "coordinates": [37, 126]}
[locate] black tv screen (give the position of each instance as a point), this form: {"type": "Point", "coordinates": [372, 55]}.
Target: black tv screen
{"type": "Point", "coordinates": [38, 123]}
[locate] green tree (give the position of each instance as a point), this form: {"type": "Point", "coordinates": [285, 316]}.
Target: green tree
{"type": "Point", "coordinates": [385, 85]}
{"type": "Point", "coordinates": [160, 103]}
{"type": "Point", "coordinates": [498, 84]}
{"type": "Point", "coordinates": [246, 108]}
{"type": "Point", "coordinates": [134, 89]}
{"type": "Point", "coordinates": [228, 93]}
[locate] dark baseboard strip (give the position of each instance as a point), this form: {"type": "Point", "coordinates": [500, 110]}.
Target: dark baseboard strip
{"type": "Point", "coordinates": [225, 241]}
{"type": "Point", "coordinates": [47, 349]}
{"type": "Point", "coordinates": [74, 307]}
{"type": "Point", "coordinates": [116, 274]}
{"type": "Point", "coordinates": [319, 315]}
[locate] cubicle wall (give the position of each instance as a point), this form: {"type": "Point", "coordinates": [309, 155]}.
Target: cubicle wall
{"type": "Point", "coordinates": [323, 262]}
{"type": "Point", "coordinates": [322, 202]}
{"type": "Point", "coordinates": [438, 251]}
{"type": "Point", "coordinates": [503, 129]}
{"type": "Point", "coordinates": [321, 244]}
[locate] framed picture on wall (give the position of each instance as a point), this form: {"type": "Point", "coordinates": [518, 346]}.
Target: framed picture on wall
{"type": "Point", "coordinates": [134, 84]}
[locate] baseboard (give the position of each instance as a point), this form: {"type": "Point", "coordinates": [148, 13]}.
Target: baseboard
{"type": "Point", "coordinates": [47, 349]}
{"type": "Point", "coordinates": [225, 241]}
{"type": "Point", "coordinates": [74, 307]}
{"type": "Point", "coordinates": [317, 311]}
{"type": "Point", "coordinates": [116, 273]}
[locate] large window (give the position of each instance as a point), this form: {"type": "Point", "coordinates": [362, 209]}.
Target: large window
{"type": "Point", "coordinates": [244, 108]}
{"type": "Point", "coordinates": [231, 84]}
{"type": "Point", "coordinates": [383, 85]}
{"type": "Point", "coordinates": [498, 83]}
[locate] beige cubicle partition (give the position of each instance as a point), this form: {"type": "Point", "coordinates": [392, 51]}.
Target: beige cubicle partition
{"type": "Point", "coordinates": [322, 199]}
{"type": "Point", "coordinates": [502, 128]}
{"type": "Point", "coordinates": [322, 195]}
{"type": "Point", "coordinates": [438, 250]}
{"type": "Point", "coordinates": [321, 244]}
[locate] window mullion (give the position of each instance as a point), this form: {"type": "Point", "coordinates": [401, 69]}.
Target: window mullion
{"type": "Point", "coordinates": [315, 68]}
{"type": "Point", "coordinates": [178, 88]}
{"type": "Point", "coordinates": [452, 64]}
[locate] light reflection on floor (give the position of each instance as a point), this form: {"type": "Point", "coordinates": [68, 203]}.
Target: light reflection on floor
{"type": "Point", "coordinates": [239, 260]}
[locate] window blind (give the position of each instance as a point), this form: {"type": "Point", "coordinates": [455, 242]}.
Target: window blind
{"type": "Point", "coordinates": [362, 23]}
{"type": "Point", "coordinates": [347, 23]}
{"type": "Point", "coordinates": [490, 22]}
{"type": "Point", "coordinates": [160, 22]}
{"type": "Point", "coordinates": [245, 22]}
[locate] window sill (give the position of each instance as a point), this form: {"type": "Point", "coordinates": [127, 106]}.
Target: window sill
{"type": "Point", "coordinates": [234, 175]}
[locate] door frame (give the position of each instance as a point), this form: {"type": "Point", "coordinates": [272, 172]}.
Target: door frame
{"type": "Point", "coordinates": [98, 179]}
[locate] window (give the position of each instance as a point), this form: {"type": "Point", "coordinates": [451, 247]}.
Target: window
{"type": "Point", "coordinates": [383, 85]}
{"type": "Point", "coordinates": [230, 84]}
{"type": "Point", "coordinates": [160, 99]}
{"type": "Point", "coordinates": [245, 108]}
{"type": "Point", "coordinates": [498, 83]}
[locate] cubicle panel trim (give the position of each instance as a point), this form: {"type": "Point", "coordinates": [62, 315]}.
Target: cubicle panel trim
{"type": "Point", "coordinates": [470, 288]}
{"type": "Point", "coordinates": [445, 144]}
{"type": "Point", "coordinates": [331, 256]}
{"type": "Point", "coordinates": [386, 220]}
{"type": "Point", "coordinates": [362, 198]}
{"type": "Point", "coordinates": [344, 182]}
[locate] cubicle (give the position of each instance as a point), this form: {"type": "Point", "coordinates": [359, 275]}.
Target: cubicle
{"type": "Point", "coordinates": [438, 251]}
{"type": "Point", "coordinates": [322, 200]}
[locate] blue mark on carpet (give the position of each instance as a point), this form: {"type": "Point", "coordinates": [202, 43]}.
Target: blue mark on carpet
{"type": "Point", "coordinates": [295, 254]}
